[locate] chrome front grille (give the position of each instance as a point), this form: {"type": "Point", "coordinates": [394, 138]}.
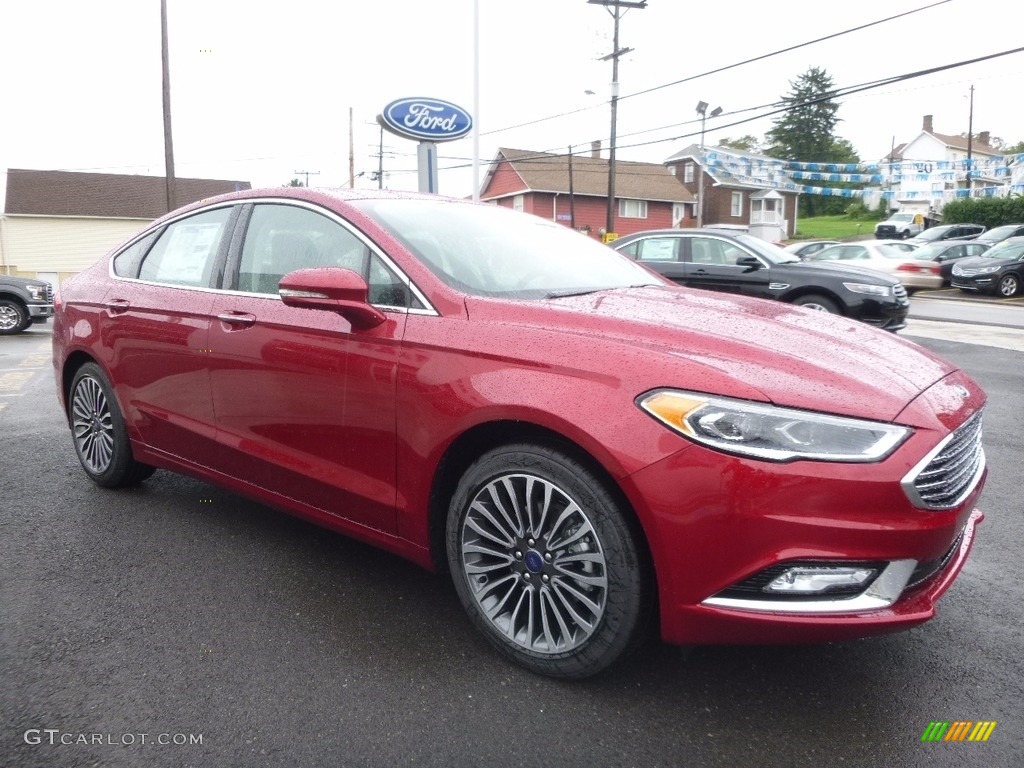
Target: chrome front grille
{"type": "Point", "coordinates": [946, 476]}
{"type": "Point", "coordinates": [49, 294]}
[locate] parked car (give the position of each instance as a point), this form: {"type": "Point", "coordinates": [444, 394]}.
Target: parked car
{"type": "Point", "coordinates": [900, 226]}
{"type": "Point", "coordinates": [947, 252]}
{"type": "Point", "coordinates": [999, 270]}
{"type": "Point", "coordinates": [895, 257]}
{"type": "Point", "coordinates": [949, 232]}
{"type": "Point", "coordinates": [805, 248]}
{"type": "Point", "coordinates": [576, 440]}
{"type": "Point", "coordinates": [998, 234]}
{"type": "Point", "coordinates": [747, 265]}
{"type": "Point", "coordinates": [23, 301]}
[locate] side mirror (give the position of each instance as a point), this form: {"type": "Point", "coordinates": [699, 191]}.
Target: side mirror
{"type": "Point", "coordinates": [750, 262]}
{"type": "Point", "coordinates": [334, 289]}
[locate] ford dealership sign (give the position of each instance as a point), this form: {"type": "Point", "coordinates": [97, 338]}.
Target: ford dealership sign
{"type": "Point", "coordinates": [426, 119]}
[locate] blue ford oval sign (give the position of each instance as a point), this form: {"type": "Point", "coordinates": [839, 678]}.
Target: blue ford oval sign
{"type": "Point", "coordinates": [426, 119]}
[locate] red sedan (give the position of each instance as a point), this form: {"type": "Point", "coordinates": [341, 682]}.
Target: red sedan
{"type": "Point", "coordinates": [586, 448]}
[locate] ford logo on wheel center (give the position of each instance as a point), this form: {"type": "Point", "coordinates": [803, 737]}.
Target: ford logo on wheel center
{"type": "Point", "coordinates": [426, 119]}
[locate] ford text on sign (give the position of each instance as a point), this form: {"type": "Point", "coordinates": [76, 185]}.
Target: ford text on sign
{"type": "Point", "coordinates": [426, 119]}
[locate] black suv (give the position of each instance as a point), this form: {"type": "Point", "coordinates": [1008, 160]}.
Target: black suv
{"type": "Point", "coordinates": [22, 302]}
{"type": "Point", "coordinates": [702, 258]}
{"type": "Point", "coordinates": [949, 232]}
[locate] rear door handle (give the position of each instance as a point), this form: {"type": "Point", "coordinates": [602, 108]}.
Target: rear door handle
{"type": "Point", "coordinates": [119, 306]}
{"type": "Point", "coordinates": [239, 319]}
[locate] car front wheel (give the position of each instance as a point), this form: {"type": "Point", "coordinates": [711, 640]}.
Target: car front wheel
{"type": "Point", "coordinates": [1008, 285]}
{"type": "Point", "coordinates": [13, 318]}
{"type": "Point", "coordinates": [819, 303]}
{"type": "Point", "coordinates": [546, 563]}
{"type": "Point", "coordinates": [97, 426]}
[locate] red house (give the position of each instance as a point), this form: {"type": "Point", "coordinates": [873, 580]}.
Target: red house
{"type": "Point", "coordinates": [574, 191]}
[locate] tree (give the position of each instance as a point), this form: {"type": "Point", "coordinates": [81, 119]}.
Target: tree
{"type": "Point", "coordinates": [1013, 149]}
{"type": "Point", "coordinates": [805, 132]}
{"type": "Point", "coordinates": [746, 143]}
{"type": "Point", "coordinates": [295, 183]}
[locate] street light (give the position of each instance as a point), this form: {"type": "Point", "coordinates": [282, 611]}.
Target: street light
{"type": "Point", "coordinates": [702, 110]}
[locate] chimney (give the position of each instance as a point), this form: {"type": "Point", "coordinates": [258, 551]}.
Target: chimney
{"type": "Point", "coordinates": [927, 124]}
{"type": "Point", "coordinates": [595, 148]}
{"type": "Point", "coordinates": [983, 137]}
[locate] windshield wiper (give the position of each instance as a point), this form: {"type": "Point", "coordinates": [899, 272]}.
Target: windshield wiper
{"type": "Point", "coordinates": [573, 292]}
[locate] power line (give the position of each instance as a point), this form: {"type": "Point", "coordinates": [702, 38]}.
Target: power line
{"type": "Point", "coordinates": [721, 69]}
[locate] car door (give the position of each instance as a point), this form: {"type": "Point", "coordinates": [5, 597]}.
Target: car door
{"type": "Point", "coordinates": [714, 263]}
{"type": "Point", "coordinates": [304, 402]}
{"type": "Point", "coordinates": [155, 330]}
{"type": "Point", "coordinates": [660, 253]}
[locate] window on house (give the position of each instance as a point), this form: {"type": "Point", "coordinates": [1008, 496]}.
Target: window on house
{"type": "Point", "coordinates": [737, 204]}
{"type": "Point", "coordinates": [633, 209]}
{"type": "Point", "coordinates": [688, 173]}
{"type": "Point", "coordinates": [517, 203]}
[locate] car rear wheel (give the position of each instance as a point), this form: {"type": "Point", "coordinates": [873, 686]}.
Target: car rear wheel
{"type": "Point", "coordinates": [819, 303]}
{"type": "Point", "coordinates": [97, 426]}
{"type": "Point", "coordinates": [1008, 285]}
{"type": "Point", "coordinates": [545, 562]}
{"type": "Point", "coordinates": [13, 318]}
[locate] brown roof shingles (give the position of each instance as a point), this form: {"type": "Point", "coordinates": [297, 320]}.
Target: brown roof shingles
{"type": "Point", "coordinates": [108, 195]}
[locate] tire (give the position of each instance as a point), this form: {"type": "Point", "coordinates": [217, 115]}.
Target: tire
{"type": "Point", "coordinates": [569, 609]}
{"type": "Point", "coordinates": [905, 234]}
{"type": "Point", "coordinates": [97, 428]}
{"type": "Point", "coordinates": [820, 303]}
{"type": "Point", "coordinates": [14, 317]}
{"type": "Point", "coordinates": [1008, 285]}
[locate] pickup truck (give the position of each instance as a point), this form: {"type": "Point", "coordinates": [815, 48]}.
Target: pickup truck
{"type": "Point", "coordinates": [23, 301]}
{"type": "Point", "coordinates": [900, 226]}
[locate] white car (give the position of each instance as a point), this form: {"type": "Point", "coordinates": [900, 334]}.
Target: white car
{"type": "Point", "coordinates": [891, 256]}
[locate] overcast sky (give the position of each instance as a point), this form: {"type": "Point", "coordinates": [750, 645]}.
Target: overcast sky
{"type": "Point", "coordinates": [262, 90]}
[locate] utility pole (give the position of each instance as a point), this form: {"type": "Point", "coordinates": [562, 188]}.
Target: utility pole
{"type": "Point", "coordinates": [168, 143]}
{"type": "Point", "coordinates": [307, 174]}
{"type": "Point", "coordinates": [970, 135]}
{"type": "Point", "coordinates": [380, 160]}
{"type": "Point", "coordinates": [572, 195]}
{"type": "Point", "coordinates": [351, 154]}
{"type": "Point", "coordinates": [614, 7]}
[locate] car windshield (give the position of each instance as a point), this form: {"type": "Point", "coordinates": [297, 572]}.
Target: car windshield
{"type": "Point", "coordinates": [763, 248]}
{"type": "Point", "coordinates": [897, 251]}
{"type": "Point", "coordinates": [1004, 251]}
{"type": "Point", "coordinates": [935, 233]}
{"type": "Point", "coordinates": [997, 234]}
{"type": "Point", "coordinates": [486, 250]}
{"type": "Point", "coordinates": [902, 217]}
{"type": "Point", "coordinates": [930, 251]}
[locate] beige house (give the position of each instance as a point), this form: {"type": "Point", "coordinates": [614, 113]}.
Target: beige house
{"type": "Point", "coordinates": [58, 223]}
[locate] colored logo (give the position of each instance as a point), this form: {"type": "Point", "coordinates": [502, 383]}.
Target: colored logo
{"type": "Point", "coordinates": [426, 119]}
{"type": "Point", "coordinates": [958, 730]}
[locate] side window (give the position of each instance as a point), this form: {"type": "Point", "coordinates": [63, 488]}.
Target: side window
{"type": "Point", "coordinates": [709, 250]}
{"type": "Point", "coordinates": [975, 250]}
{"type": "Point", "coordinates": [386, 289]}
{"type": "Point", "coordinates": [852, 252]}
{"type": "Point", "coordinates": [283, 238]}
{"type": "Point", "coordinates": [658, 249]}
{"type": "Point", "coordinates": [126, 263]}
{"type": "Point", "coordinates": [185, 252]}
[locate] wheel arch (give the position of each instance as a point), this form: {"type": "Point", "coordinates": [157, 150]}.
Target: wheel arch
{"type": "Point", "coordinates": [468, 446]}
{"type": "Point", "coordinates": [72, 363]}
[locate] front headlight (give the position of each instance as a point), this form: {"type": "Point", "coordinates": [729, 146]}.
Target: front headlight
{"type": "Point", "coordinates": [767, 432]}
{"type": "Point", "coordinates": [870, 290]}
{"type": "Point", "coordinates": [988, 270]}
{"type": "Point", "coordinates": [37, 292]}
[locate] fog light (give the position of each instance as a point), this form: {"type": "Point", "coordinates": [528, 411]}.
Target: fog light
{"type": "Point", "coordinates": [819, 580]}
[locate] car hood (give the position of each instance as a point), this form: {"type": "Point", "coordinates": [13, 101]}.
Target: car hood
{"type": "Point", "coordinates": [709, 342]}
{"type": "Point", "coordinates": [869, 273]}
{"type": "Point", "coordinates": [974, 262]}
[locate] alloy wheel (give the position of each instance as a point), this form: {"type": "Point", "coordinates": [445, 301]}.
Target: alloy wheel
{"type": "Point", "coordinates": [92, 425]}
{"type": "Point", "coordinates": [534, 564]}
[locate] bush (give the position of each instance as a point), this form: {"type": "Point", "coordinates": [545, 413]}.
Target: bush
{"type": "Point", "coordinates": [857, 211]}
{"type": "Point", "coordinates": [988, 211]}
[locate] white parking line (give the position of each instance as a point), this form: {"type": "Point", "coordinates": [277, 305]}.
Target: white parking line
{"type": "Point", "coordinates": [984, 335]}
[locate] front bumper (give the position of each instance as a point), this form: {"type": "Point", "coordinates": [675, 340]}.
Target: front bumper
{"type": "Point", "coordinates": [40, 313]}
{"type": "Point", "coordinates": [715, 521]}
